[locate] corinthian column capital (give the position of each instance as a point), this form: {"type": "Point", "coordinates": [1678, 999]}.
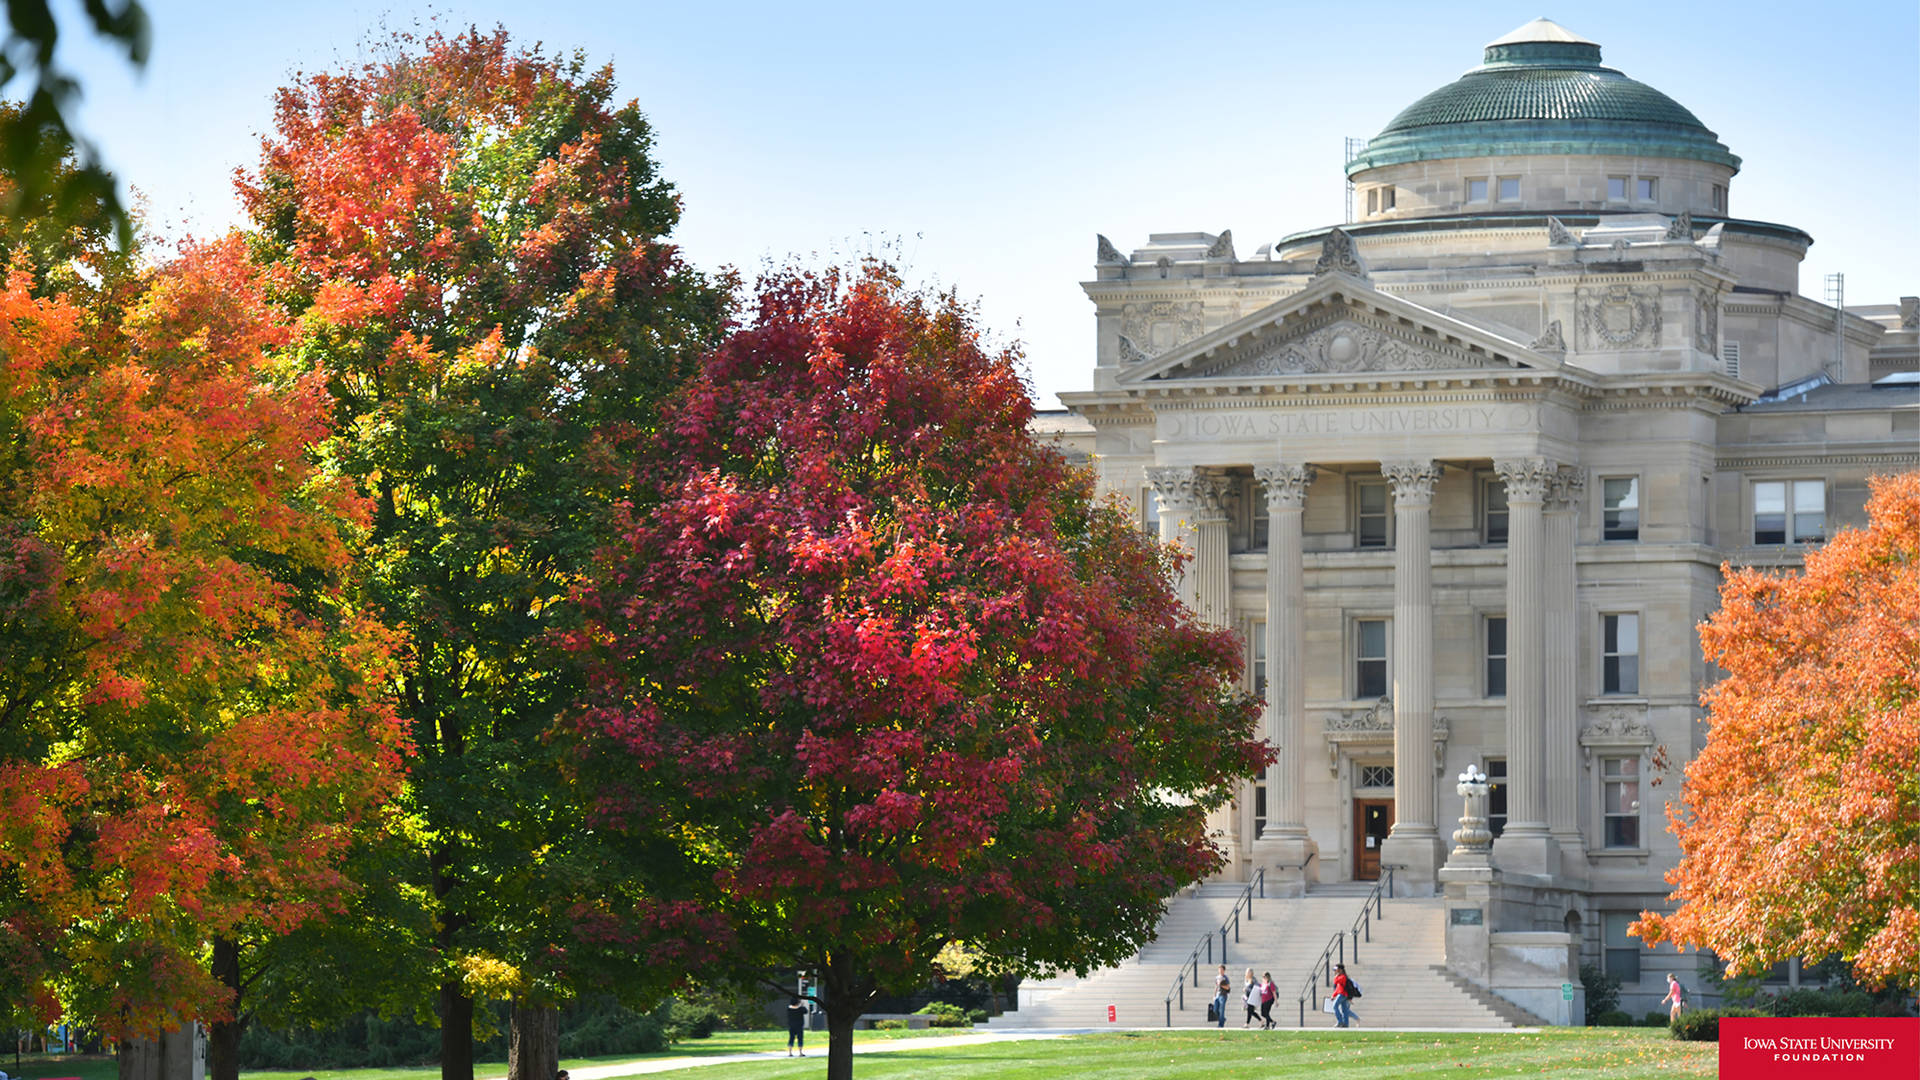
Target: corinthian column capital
{"type": "Point", "coordinates": [1412, 480]}
{"type": "Point", "coordinates": [1285, 485]}
{"type": "Point", "coordinates": [1527, 479]}
{"type": "Point", "coordinates": [1569, 486]}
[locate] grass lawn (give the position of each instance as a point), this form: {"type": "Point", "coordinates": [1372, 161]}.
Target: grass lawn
{"type": "Point", "coordinates": [1604, 1054]}
{"type": "Point", "coordinates": [1600, 1053]}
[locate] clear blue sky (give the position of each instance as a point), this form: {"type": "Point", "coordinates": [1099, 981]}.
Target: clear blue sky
{"type": "Point", "coordinates": [985, 144]}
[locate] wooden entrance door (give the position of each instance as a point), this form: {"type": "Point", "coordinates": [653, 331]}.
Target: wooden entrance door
{"type": "Point", "coordinates": [1372, 821]}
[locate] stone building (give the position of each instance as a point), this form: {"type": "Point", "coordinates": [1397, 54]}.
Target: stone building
{"type": "Point", "coordinates": [1463, 473]}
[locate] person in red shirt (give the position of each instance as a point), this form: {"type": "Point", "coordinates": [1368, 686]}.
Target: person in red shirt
{"type": "Point", "coordinates": [1343, 1013]}
{"type": "Point", "coordinates": [1268, 992]}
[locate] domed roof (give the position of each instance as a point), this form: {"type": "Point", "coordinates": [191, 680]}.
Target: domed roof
{"type": "Point", "coordinates": [1542, 90]}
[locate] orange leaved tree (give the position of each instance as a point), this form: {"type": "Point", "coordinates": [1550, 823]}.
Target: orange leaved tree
{"type": "Point", "coordinates": [192, 716]}
{"type": "Point", "coordinates": [1800, 820]}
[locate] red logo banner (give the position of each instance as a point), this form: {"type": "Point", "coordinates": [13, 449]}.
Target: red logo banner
{"type": "Point", "coordinates": [1815, 1048]}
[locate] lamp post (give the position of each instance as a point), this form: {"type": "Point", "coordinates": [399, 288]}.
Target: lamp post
{"type": "Point", "coordinates": [1472, 837]}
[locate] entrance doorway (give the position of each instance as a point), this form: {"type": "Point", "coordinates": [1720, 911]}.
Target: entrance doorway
{"type": "Point", "coordinates": [1372, 821]}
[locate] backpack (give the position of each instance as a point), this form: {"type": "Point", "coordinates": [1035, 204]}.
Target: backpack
{"type": "Point", "coordinates": [1213, 1014]}
{"type": "Point", "coordinates": [1353, 988]}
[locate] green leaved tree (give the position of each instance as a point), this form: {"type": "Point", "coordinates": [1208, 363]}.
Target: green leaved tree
{"type": "Point", "coordinates": [471, 236]}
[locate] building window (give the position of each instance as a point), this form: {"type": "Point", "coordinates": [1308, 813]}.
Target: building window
{"type": "Point", "coordinates": [1620, 800]}
{"type": "Point", "coordinates": [1493, 516]}
{"type": "Point", "coordinates": [1616, 189]}
{"type": "Point", "coordinates": [1386, 198]}
{"type": "Point", "coordinates": [1496, 668]}
{"type": "Point", "coordinates": [1718, 198]}
{"type": "Point", "coordinates": [1373, 200]}
{"type": "Point", "coordinates": [1375, 776]}
{"type": "Point", "coordinates": [1496, 795]}
{"type": "Point", "coordinates": [1258, 668]}
{"type": "Point", "coordinates": [1648, 188]}
{"type": "Point", "coordinates": [1730, 355]}
{"type": "Point", "coordinates": [1623, 951]}
{"type": "Point", "coordinates": [1620, 654]}
{"type": "Point", "coordinates": [1370, 514]}
{"type": "Point", "coordinates": [1369, 659]}
{"type": "Point", "coordinates": [1476, 191]}
{"type": "Point", "coordinates": [1260, 806]}
{"type": "Point", "coordinates": [1790, 512]}
{"type": "Point", "coordinates": [1620, 508]}
{"type": "Point", "coordinates": [1258, 519]}
{"type": "Point", "coordinates": [1509, 189]}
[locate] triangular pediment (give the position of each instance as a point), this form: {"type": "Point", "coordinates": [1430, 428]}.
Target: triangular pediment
{"type": "Point", "coordinates": [1340, 325]}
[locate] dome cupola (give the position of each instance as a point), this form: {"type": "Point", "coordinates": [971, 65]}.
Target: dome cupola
{"type": "Point", "coordinates": [1541, 97]}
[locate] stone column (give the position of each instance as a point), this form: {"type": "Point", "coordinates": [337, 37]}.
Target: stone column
{"type": "Point", "coordinates": [1193, 512]}
{"type": "Point", "coordinates": [1175, 487]}
{"type": "Point", "coordinates": [1211, 570]}
{"type": "Point", "coordinates": [1562, 652]}
{"type": "Point", "coordinates": [1285, 846]}
{"type": "Point", "coordinates": [1525, 846]}
{"type": "Point", "coordinates": [1414, 842]}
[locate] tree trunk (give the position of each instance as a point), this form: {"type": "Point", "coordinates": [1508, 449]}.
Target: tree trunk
{"type": "Point", "coordinates": [456, 1032]}
{"type": "Point", "coordinates": [847, 997]}
{"type": "Point", "coordinates": [533, 1049]}
{"type": "Point", "coordinates": [223, 1036]}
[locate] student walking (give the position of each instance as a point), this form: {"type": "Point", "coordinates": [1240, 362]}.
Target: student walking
{"type": "Point", "coordinates": [1222, 986]}
{"type": "Point", "coordinates": [1344, 989]}
{"type": "Point", "coordinates": [796, 1025]}
{"type": "Point", "coordinates": [1676, 995]}
{"type": "Point", "coordinates": [1250, 994]}
{"type": "Point", "coordinates": [1268, 993]}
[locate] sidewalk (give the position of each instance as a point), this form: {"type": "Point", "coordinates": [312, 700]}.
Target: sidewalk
{"type": "Point", "coordinates": [816, 1050]}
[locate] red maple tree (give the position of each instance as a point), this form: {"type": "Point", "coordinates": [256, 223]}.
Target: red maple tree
{"type": "Point", "coordinates": [191, 712]}
{"type": "Point", "coordinates": [1799, 822]}
{"type": "Point", "coordinates": [880, 673]}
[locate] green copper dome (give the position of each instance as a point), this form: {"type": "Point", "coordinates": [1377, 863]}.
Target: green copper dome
{"type": "Point", "coordinates": [1542, 90]}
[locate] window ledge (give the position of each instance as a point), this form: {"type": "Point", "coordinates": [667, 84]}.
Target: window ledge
{"type": "Point", "coordinates": [1619, 853]}
{"type": "Point", "coordinates": [1616, 699]}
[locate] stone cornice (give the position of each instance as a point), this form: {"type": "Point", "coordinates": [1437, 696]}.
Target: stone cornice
{"type": "Point", "coordinates": [1816, 457]}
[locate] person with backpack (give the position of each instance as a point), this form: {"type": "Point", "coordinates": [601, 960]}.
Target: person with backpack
{"type": "Point", "coordinates": [1268, 993]}
{"type": "Point", "coordinates": [1344, 989]}
{"type": "Point", "coordinates": [1675, 994]}
{"type": "Point", "coordinates": [1222, 986]}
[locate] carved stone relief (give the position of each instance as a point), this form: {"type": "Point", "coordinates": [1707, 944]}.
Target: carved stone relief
{"type": "Point", "coordinates": [1551, 341]}
{"type": "Point", "coordinates": [1619, 317]}
{"type": "Point", "coordinates": [1371, 729]}
{"type": "Point", "coordinates": [1107, 253]}
{"type": "Point", "coordinates": [1681, 228]}
{"type": "Point", "coordinates": [1706, 321]}
{"type": "Point", "coordinates": [1526, 479]}
{"type": "Point", "coordinates": [1223, 247]}
{"type": "Point", "coordinates": [1149, 330]}
{"type": "Point", "coordinates": [1286, 485]}
{"type": "Point", "coordinates": [1342, 347]}
{"type": "Point", "coordinates": [1618, 729]}
{"type": "Point", "coordinates": [1337, 254]}
{"type": "Point", "coordinates": [1558, 235]}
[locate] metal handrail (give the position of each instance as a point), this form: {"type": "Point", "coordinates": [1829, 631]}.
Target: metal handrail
{"type": "Point", "coordinates": [1371, 908]}
{"type": "Point", "coordinates": [1192, 963]}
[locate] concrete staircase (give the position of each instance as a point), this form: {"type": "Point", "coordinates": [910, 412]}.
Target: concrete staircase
{"type": "Point", "coordinates": [1401, 970]}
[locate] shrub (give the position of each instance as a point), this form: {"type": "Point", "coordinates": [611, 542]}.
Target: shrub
{"type": "Point", "coordinates": [599, 1026]}
{"type": "Point", "coordinates": [889, 1025]}
{"type": "Point", "coordinates": [1818, 1003]}
{"type": "Point", "coordinates": [1655, 1019]}
{"type": "Point", "coordinates": [1603, 991]}
{"type": "Point", "coordinates": [1614, 1018]}
{"type": "Point", "coordinates": [945, 1014]}
{"type": "Point", "coordinates": [1703, 1025]}
{"type": "Point", "coordinates": [689, 1020]}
